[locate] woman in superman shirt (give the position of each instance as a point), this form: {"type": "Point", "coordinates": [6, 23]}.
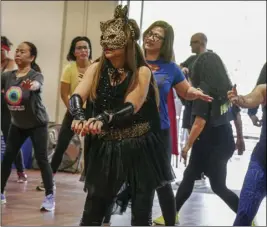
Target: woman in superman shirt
{"type": "Point", "coordinates": [158, 46]}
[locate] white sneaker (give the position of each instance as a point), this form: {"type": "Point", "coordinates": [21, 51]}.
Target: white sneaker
{"type": "Point", "coordinates": [48, 203]}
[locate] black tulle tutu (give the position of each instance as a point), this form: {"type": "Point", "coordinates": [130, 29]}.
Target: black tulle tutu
{"type": "Point", "coordinates": [120, 168]}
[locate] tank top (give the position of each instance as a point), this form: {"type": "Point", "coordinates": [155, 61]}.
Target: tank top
{"type": "Point", "coordinates": [110, 98]}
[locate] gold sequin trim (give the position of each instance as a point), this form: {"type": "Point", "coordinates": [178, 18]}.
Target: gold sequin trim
{"type": "Point", "coordinates": [119, 134]}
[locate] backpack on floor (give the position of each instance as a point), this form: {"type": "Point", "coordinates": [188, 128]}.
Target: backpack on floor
{"type": "Point", "coordinates": [71, 161]}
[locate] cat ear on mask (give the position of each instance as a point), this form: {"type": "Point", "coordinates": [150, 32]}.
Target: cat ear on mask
{"type": "Point", "coordinates": [102, 26]}
{"type": "Point", "coordinates": [121, 12]}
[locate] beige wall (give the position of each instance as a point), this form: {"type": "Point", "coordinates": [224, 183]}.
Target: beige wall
{"type": "Point", "coordinates": [83, 18]}
{"type": "Point", "coordinates": [29, 21]}
{"type": "Point", "coordinates": [51, 25]}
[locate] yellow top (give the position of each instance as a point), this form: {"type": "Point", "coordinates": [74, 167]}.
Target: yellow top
{"type": "Point", "coordinates": [72, 77]}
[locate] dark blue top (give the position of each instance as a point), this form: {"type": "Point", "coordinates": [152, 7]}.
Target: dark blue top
{"type": "Point", "coordinates": [253, 111]}
{"type": "Point", "coordinates": [259, 153]}
{"type": "Point", "coordinates": [261, 80]}
{"type": "Point", "coordinates": [167, 75]}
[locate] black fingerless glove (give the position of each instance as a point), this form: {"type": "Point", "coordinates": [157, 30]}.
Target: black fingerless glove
{"type": "Point", "coordinates": [76, 107]}
{"type": "Point", "coordinates": [114, 116]}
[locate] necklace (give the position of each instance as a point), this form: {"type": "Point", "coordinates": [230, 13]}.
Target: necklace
{"type": "Point", "coordinates": [115, 74]}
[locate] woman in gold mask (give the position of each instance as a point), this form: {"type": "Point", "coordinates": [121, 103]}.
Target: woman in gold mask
{"type": "Point", "coordinates": [126, 149]}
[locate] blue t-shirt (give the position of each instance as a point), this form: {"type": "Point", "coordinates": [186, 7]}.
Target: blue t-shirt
{"type": "Point", "coordinates": [167, 75]}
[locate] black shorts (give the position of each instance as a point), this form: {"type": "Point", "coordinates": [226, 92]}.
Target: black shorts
{"type": "Point", "coordinates": [214, 146]}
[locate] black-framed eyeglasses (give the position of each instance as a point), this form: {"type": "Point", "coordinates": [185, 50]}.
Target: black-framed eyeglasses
{"type": "Point", "coordinates": [81, 48]}
{"type": "Point", "coordinates": [155, 37]}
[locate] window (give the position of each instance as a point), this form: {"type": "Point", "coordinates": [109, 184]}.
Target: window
{"type": "Point", "coordinates": [236, 30]}
{"type": "Point", "coordinates": [135, 11]}
{"type": "Point", "coordinates": [123, 2]}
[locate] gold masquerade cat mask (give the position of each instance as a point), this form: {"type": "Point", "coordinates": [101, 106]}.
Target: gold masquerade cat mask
{"type": "Point", "coordinates": [113, 36]}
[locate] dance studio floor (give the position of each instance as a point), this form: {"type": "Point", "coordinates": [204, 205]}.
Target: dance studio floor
{"type": "Point", "coordinates": [203, 208]}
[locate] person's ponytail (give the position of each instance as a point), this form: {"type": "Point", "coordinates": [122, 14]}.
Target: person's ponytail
{"type": "Point", "coordinates": [33, 51]}
{"type": "Point", "coordinates": [35, 67]}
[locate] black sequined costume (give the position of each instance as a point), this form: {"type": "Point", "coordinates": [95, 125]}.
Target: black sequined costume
{"type": "Point", "coordinates": [128, 154]}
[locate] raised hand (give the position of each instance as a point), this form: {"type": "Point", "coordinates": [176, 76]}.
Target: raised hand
{"type": "Point", "coordinates": [200, 95]}
{"type": "Point", "coordinates": [26, 84]}
{"type": "Point", "coordinates": [233, 95]}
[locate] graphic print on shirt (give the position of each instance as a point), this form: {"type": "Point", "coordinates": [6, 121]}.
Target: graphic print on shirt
{"type": "Point", "coordinates": [14, 97]}
{"type": "Point", "coordinates": [80, 77]}
{"type": "Point", "coordinates": [160, 77]}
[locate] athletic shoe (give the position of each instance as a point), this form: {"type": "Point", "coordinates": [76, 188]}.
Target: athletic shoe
{"type": "Point", "coordinates": [48, 203]}
{"type": "Point", "coordinates": [3, 199]}
{"type": "Point", "coordinates": [42, 188]}
{"type": "Point", "coordinates": [160, 220]}
{"type": "Point", "coordinates": [22, 177]}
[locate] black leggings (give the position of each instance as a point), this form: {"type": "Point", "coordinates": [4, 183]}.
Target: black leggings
{"type": "Point", "coordinates": [210, 154]}
{"type": "Point", "coordinates": [15, 140]}
{"type": "Point", "coordinates": [95, 209]}
{"type": "Point", "coordinates": [218, 185]}
{"type": "Point", "coordinates": [165, 193]}
{"type": "Point", "coordinates": [64, 137]}
{"type": "Point", "coordinates": [5, 124]}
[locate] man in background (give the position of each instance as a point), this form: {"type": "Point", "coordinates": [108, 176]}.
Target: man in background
{"type": "Point", "coordinates": [198, 45]}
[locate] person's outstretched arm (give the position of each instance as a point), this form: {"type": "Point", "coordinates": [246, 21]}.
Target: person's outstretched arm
{"type": "Point", "coordinates": [253, 99]}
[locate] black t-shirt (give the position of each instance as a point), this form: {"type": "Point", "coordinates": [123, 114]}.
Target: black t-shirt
{"type": "Point", "coordinates": [203, 109]}
{"type": "Point", "coordinates": [26, 107]}
{"type": "Point", "coordinates": [188, 63]}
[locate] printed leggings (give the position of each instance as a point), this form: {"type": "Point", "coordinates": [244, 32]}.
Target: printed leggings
{"type": "Point", "coordinates": [252, 194]}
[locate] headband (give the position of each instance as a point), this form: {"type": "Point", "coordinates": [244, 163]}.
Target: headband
{"type": "Point", "coordinates": [5, 47]}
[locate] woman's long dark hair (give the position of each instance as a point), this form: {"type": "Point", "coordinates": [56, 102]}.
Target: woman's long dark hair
{"type": "Point", "coordinates": [33, 52]}
{"type": "Point", "coordinates": [209, 69]}
{"type": "Point", "coordinates": [166, 51]}
{"type": "Point", "coordinates": [6, 41]}
{"type": "Point", "coordinates": [70, 55]}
